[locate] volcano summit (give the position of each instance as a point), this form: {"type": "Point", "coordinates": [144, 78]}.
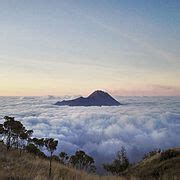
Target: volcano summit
{"type": "Point", "coordinates": [97, 98]}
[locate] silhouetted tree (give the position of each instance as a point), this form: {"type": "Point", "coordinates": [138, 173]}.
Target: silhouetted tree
{"type": "Point", "coordinates": [82, 161]}
{"type": "Point", "coordinates": [39, 142]}
{"type": "Point", "coordinates": [29, 133]}
{"type": "Point", "coordinates": [12, 131]}
{"type": "Point", "coordinates": [119, 164]}
{"type": "Point", "coordinates": [1, 130]}
{"type": "Point", "coordinates": [92, 168]}
{"type": "Point", "coordinates": [31, 148]}
{"type": "Point", "coordinates": [8, 130]}
{"type": "Point", "coordinates": [51, 146]}
{"type": "Point", "coordinates": [24, 138]}
{"type": "Point", "coordinates": [15, 134]}
{"type": "Point", "coordinates": [63, 158]}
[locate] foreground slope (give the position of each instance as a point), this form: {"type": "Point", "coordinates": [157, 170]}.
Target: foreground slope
{"type": "Point", "coordinates": [28, 166]}
{"type": "Point", "coordinates": [164, 165]}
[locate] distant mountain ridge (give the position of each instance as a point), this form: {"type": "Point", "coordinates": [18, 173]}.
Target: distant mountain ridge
{"type": "Point", "coordinates": [97, 98]}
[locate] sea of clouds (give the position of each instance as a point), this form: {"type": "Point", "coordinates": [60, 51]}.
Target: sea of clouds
{"type": "Point", "coordinates": [140, 124]}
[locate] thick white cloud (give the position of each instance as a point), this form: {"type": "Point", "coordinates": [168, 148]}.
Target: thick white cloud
{"type": "Point", "coordinates": [141, 124]}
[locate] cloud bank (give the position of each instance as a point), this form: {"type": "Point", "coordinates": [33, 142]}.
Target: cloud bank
{"type": "Point", "coordinates": [141, 124]}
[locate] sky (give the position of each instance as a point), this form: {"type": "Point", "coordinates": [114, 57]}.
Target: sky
{"type": "Point", "coordinates": [68, 47]}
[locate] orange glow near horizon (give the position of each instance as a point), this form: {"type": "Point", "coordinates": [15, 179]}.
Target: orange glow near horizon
{"type": "Point", "coordinates": [71, 48]}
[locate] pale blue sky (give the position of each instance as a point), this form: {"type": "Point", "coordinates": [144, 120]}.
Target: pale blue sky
{"type": "Point", "coordinates": [73, 47]}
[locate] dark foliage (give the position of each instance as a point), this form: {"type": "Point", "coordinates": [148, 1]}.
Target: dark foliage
{"type": "Point", "coordinates": [119, 164]}
{"type": "Point", "coordinates": [82, 161]}
{"type": "Point", "coordinates": [39, 142]}
{"type": "Point", "coordinates": [63, 157]}
{"type": "Point", "coordinates": [168, 154]}
{"type": "Point", "coordinates": [31, 148]}
{"type": "Point", "coordinates": [14, 133]}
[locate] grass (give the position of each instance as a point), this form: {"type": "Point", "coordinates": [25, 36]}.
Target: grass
{"type": "Point", "coordinates": [158, 169]}
{"type": "Point", "coordinates": [27, 166]}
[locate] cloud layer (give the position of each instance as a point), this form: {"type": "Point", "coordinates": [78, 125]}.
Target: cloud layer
{"type": "Point", "coordinates": [141, 124]}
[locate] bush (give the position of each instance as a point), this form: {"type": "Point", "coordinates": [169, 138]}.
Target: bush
{"type": "Point", "coordinates": [120, 164]}
{"type": "Point", "coordinates": [82, 161]}
{"type": "Point", "coordinates": [168, 154]}
{"type": "Point", "coordinates": [31, 148]}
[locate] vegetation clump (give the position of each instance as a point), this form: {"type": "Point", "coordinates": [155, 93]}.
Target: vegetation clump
{"type": "Point", "coordinates": [119, 164]}
{"type": "Point", "coordinates": [82, 161]}
{"type": "Point", "coordinates": [14, 133]}
{"type": "Point", "coordinates": [168, 154]}
{"type": "Point", "coordinates": [63, 158]}
{"type": "Point", "coordinates": [31, 148]}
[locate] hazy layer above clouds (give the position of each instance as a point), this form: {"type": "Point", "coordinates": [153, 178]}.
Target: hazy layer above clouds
{"type": "Point", "coordinates": [141, 124]}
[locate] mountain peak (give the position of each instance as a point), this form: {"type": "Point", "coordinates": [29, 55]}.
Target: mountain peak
{"type": "Point", "coordinates": [98, 93]}
{"type": "Point", "coordinates": [97, 98]}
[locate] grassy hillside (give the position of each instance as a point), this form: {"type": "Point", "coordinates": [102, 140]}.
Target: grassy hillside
{"type": "Point", "coordinates": [28, 166]}
{"type": "Point", "coordinates": [164, 165]}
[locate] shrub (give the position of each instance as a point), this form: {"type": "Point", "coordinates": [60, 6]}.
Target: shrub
{"type": "Point", "coordinates": [168, 154]}
{"type": "Point", "coordinates": [120, 164]}
{"type": "Point", "coordinates": [31, 148]}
